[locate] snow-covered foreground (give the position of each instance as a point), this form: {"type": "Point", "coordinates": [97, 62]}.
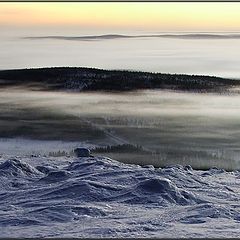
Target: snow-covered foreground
{"type": "Point", "coordinates": [100, 197]}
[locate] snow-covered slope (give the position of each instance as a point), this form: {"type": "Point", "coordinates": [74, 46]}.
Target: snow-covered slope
{"type": "Point", "coordinates": [100, 197]}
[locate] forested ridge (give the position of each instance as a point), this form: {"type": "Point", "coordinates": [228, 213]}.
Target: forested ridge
{"type": "Point", "coordinates": [92, 79]}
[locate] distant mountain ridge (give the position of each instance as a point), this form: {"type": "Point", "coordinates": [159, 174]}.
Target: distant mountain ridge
{"type": "Point", "coordinates": [121, 36]}
{"type": "Point", "coordinates": [92, 79]}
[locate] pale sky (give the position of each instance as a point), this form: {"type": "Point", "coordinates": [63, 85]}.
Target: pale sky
{"type": "Point", "coordinates": [159, 16]}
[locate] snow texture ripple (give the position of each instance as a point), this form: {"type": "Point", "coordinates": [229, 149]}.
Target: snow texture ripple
{"type": "Point", "coordinates": [100, 197]}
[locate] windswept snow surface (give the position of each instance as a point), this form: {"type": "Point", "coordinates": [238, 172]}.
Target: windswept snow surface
{"type": "Point", "coordinates": [100, 197]}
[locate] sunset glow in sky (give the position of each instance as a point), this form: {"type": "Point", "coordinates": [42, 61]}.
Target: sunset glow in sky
{"type": "Point", "coordinates": [130, 16]}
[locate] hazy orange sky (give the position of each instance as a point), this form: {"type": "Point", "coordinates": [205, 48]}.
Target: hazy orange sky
{"type": "Point", "coordinates": [130, 16]}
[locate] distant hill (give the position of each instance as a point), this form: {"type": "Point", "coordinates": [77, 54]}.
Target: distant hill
{"type": "Point", "coordinates": [92, 79]}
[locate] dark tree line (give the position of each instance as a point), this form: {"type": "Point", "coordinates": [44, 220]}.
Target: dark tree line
{"type": "Point", "coordinates": [123, 148]}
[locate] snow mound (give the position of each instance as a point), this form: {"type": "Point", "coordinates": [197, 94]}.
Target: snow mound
{"type": "Point", "coordinates": [56, 176]}
{"type": "Point", "coordinates": [164, 191]}
{"type": "Point", "coordinates": [17, 167]}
